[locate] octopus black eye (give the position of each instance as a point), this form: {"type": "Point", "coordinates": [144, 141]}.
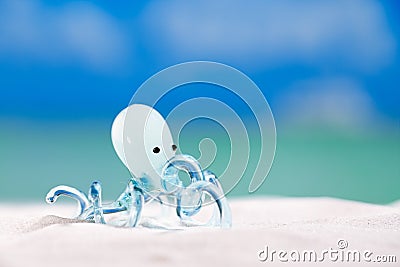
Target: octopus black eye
{"type": "Point", "coordinates": [174, 147]}
{"type": "Point", "coordinates": [156, 150]}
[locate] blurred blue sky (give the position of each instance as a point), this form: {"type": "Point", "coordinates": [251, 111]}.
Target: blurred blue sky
{"type": "Point", "coordinates": [319, 61]}
{"type": "Point", "coordinates": [329, 69]}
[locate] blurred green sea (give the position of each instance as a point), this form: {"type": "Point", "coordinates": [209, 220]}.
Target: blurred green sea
{"type": "Point", "coordinates": [309, 162]}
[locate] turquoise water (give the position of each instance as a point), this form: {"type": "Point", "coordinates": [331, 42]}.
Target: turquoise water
{"type": "Point", "coordinates": [309, 162]}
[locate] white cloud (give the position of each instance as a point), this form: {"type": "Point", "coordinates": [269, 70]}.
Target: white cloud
{"type": "Point", "coordinates": [262, 32]}
{"type": "Point", "coordinates": [73, 33]}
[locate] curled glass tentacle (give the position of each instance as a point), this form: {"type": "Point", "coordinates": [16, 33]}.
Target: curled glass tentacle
{"type": "Point", "coordinates": [63, 190]}
{"type": "Point", "coordinates": [132, 199]}
{"type": "Point", "coordinates": [190, 198]}
{"type": "Point", "coordinates": [170, 179]}
{"type": "Point", "coordinates": [172, 183]}
{"type": "Point", "coordinates": [212, 178]}
{"type": "Point", "coordinates": [113, 207]}
{"type": "Point", "coordinates": [189, 164]}
{"type": "Point", "coordinates": [224, 218]}
{"type": "Point", "coordinates": [92, 209]}
{"type": "Point", "coordinates": [129, 204]}
{"type": "Point", "coordinates": [95, 199]}
{"type": "Point", "coordinates": [136, 205]}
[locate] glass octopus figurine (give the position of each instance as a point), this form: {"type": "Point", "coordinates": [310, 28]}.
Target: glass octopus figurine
{"type": "Point", "coordinates": [143, 142]}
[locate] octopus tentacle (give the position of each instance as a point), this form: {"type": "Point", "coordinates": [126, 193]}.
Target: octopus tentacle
{"type": "Point", "coordinates": [224, 219]}
{"type": "Point", "coordinates": [96, 201]}
{"type": "Point", "coordinates": [172, 183]}
{"type": "Point", "coordinates": [189, 200]}
{"type": "Point", "coordinates": [63, 190]}
{"type": "Point", "coordinates": [135, 204]}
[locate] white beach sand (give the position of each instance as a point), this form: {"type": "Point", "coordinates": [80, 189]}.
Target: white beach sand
{"type": "Point", "coordinates": [36, 236]}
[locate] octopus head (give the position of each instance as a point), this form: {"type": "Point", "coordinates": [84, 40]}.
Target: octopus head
{"type": "Point", "coordinates": [143, 142]}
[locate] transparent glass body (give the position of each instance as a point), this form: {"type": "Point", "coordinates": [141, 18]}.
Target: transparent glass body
{"type": "Point", "coordinates": [143, 142]}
